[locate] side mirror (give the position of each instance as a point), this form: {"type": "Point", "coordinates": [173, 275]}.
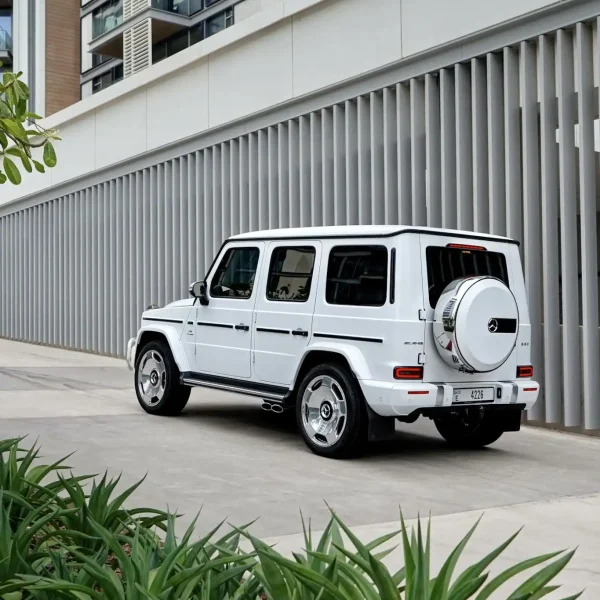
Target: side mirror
{"type": "Point", "coordinates": [198, 290]}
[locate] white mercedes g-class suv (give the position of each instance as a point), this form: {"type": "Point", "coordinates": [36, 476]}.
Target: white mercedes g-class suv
{"type": "Point", "coordinates": [353, 328]}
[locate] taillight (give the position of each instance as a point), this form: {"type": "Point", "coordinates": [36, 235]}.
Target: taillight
{"type": "Point", "coordinates": [525, 372]}
{"type": "Point", "coordinates": [408, 373]}
{"type": "Point", "coordinates": [466, 247]}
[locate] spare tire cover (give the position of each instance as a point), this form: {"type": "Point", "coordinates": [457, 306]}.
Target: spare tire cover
{"type": "Point", "coordinates": [476, 324]}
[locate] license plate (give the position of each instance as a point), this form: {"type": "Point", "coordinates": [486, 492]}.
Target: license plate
{"type": "Point", "coordinates": [473, 395]}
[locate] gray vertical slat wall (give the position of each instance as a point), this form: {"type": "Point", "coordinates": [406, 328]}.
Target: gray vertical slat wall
{"type": "Point", "coordinates": [502, 143]}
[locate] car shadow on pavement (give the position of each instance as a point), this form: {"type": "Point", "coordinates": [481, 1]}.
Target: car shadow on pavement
{"type": "Point", "coordinates": [282, 429]}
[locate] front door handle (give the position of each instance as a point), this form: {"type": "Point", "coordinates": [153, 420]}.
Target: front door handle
{"type": "Point", "coordinates": [242, 327]}
{"type": "Point", "coordinates": [300, 332]}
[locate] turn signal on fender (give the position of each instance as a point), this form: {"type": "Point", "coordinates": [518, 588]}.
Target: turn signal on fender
{"type": "Point", "coordinates": [525, 372]}
{"type": "Point", "coordinates": [410, 373]}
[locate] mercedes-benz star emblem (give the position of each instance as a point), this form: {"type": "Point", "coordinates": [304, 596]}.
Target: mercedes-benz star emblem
{"type": "Point", "coordinates": [326, 411]}
{"type": "Point", "coordinates": [492, 325]}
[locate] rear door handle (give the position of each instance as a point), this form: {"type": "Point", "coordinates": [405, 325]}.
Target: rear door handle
{"type": "Point", "coordinates": [300, 332]}
{"type": "Point", "coordinates": [242, 327]}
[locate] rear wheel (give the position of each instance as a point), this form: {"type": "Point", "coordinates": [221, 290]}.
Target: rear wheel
{"type": "Point", "coordinates": [470, 429]}
{"type": "Point", "coordinates": [330, 412]}
{"type": "Point", "coordinates": [157, 384]}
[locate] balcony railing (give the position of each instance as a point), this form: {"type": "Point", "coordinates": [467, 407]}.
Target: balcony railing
{"type": "Point", "coordinates": [5, 41]}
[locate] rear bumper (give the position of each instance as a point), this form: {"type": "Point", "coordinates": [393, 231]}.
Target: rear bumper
{"type": "Point", "coordinates": [403, 399]}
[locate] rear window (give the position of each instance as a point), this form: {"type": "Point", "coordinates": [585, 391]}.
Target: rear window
{"type": "Point", "coordinates": [444, 265]}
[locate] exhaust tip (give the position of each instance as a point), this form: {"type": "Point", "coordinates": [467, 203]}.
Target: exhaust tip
{"type": "Point", "coordinates": [271, 407]}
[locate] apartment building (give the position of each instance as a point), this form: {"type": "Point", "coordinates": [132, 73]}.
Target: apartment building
{"type": "Point", "coordinates": [241, 115]}
{"type": "Point", "coordinates": [121, 37]}
{"type": "Point", "coordinates": [41, 38]}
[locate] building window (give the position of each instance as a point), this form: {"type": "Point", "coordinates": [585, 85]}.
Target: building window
{"type": "Point", "coordinates": [179, 7]}
{"type": "Point", "coordinates": [196, 6]}
{"type": "Point", "coordinates": [188, 37]}
{"type": "Point", "coordinates": [235, 276]}
{"type": "Point", "coordinates": [357, 276]}
{"type": "Point", "coordinates": [107, 79]}
{"type": "Point", "coordinates": [107, 17]}
{"type": "Point", "coordinates": [98, 59]}
{"type": "Point", "coordinates": [290, 274]}
{"type": "Point", "coordinates": [219, 22]}
{"type": "Point", "coordinates": [197, 33]}
{"type": "Point", "coordinates": [5, 29]}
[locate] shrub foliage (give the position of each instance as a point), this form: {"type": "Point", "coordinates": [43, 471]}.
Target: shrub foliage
{"type": "Point", "coordinates": [64, 536]}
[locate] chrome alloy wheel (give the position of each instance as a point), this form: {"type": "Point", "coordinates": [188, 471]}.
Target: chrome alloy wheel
{"type": "Point", "coordinates": [324, 411]}
{"type": "Point", "coordinates": [151, 377]}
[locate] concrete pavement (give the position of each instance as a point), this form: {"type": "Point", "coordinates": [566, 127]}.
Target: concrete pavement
{"type": "Point", "coordinates": [228, 456]}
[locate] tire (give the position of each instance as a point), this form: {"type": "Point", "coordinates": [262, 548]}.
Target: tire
{"type": "Point", "coordinates": [347, 435]}
{"type": "Point", "coordinates": [155, 360]}
{"type": "Point", "coordinates": [469, 430]}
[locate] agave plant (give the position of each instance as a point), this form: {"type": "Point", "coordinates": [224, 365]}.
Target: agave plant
{"type": "Point", "coordinates": [332, 571]}
{"type": "Point", "coordinates": [141, 566]}
{"type": "Point", "coordinates": [101, 507]}
{"type": "Point", "coordinates": [22, 480]}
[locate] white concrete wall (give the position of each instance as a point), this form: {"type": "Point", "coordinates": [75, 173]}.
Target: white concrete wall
{"type": "Point", "coordinates": [427, 23]}
{"type": "Point", "coordinates": [289, 49]}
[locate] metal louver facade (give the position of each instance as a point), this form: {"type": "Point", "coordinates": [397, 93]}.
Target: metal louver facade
{"type": "Point", "coordinates": [137, 47]}
{"type": "Point", "coordinates": [503, 142]}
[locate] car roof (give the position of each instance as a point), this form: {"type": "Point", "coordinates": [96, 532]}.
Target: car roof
{"type": "Point", "coordinates": [360, 231]}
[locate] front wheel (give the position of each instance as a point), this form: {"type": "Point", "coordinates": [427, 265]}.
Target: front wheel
{"type": "Point", "coordinates": [330, 412]}
{"type": "Point", "coordinates": [470, 429]}
{"type": "Point", "coordinates": [157, 384]}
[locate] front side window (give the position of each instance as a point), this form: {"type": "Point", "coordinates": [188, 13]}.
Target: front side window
{"type": "Point", "coordinates": [357, 276]}
{"type": "Point", "coordinates": [290, 274]}
{"type": "Point", "coordinates": [235, 275]}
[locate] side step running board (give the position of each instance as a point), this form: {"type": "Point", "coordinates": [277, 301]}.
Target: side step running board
{"type": "Point", "coordinates": [234, 388]}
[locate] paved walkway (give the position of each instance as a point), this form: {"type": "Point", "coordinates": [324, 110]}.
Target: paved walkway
{"type": "Point", "coordinates": [228, 456]}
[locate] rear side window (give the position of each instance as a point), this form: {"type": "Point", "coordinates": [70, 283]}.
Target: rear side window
{"type": "Point", "coordinates": [444, 265]}
{"type": "Point", "coordinates": [357, 276]}
{"type": "Point", "coordinates": [290, 274]}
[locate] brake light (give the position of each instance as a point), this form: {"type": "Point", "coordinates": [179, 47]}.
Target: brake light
{"type": "Point", "coordinates": [465, 247]}
{"type": "Point", "coordinates": [525, 372]}
{"type": "Point", "coordinates": [408, 373]}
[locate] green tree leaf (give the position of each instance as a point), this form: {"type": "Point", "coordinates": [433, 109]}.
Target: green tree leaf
{"type": "Point", "coordinates": [39, 167]}
{"type": "Point", "coordinates": [12, 172]}
{"type": "Point", "coordinates": [49, 155]}
{"type": "Point", "coordinates": [26, 162]}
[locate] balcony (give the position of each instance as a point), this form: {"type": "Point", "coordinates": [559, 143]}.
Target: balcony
{"type": "Point", "coordinates": [167, 19]}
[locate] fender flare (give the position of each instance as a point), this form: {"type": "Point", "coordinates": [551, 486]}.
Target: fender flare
{"type": "Point", "coordinates": [352, 354]}
{"type": "Point", "coordinates": [173, 337]}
